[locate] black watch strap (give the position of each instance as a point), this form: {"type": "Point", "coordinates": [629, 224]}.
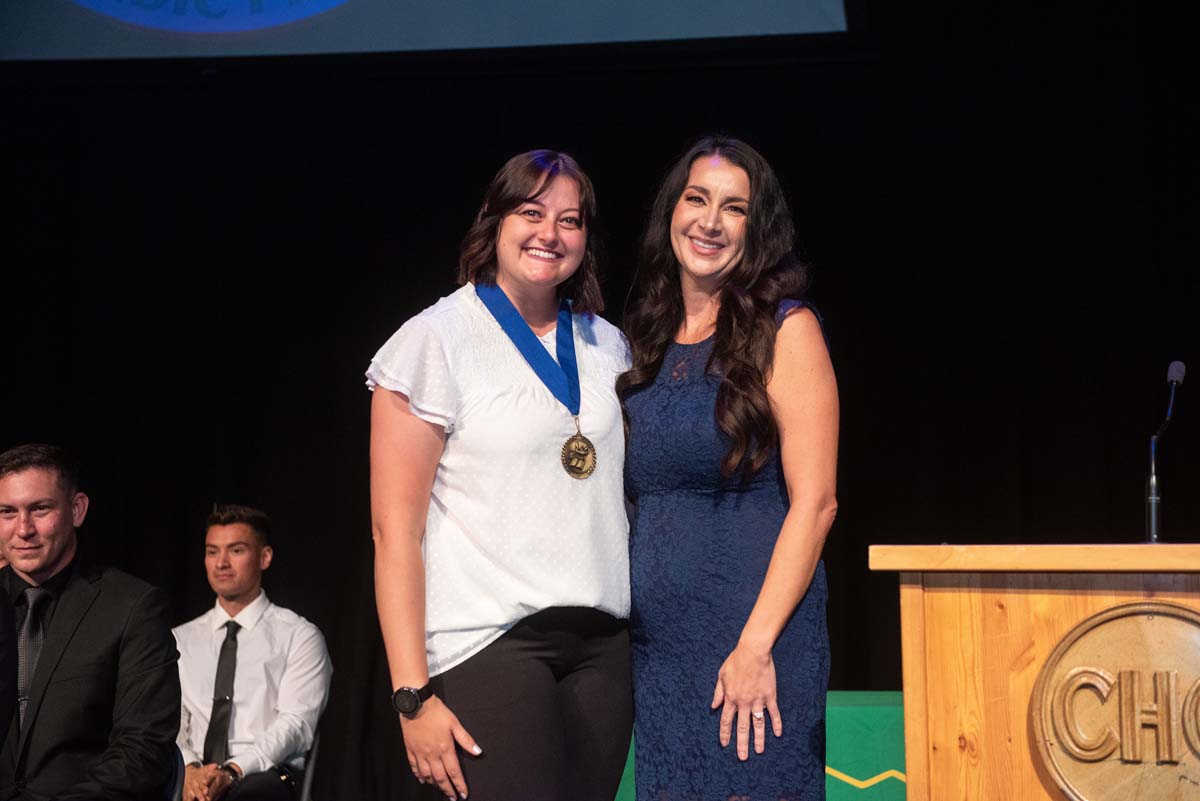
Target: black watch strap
{"type": "Point", "coordinates": [408, 700]}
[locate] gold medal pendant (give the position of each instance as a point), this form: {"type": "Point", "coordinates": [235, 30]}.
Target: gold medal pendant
{"type": "Point", "coordinates": [578, 455]}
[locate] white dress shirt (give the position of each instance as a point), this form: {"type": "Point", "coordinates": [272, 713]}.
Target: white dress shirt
{"type": "Point", "coordinates": [508, 533]}
{"type": "Point", "coordinates": [280, 684]}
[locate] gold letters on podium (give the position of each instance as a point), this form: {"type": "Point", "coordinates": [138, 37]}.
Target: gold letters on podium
{"type": "Point", "coordinates": [1116, 708]}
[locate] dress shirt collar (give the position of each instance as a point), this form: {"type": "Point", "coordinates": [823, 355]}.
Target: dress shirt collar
{"type": "Point", "coordinates": [247, 618]}
{"type": "Point", "coordinates": [53, 585]}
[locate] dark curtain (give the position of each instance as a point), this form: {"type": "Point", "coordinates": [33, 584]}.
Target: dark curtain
{"type": "Point", "coordinates": [999, 206]}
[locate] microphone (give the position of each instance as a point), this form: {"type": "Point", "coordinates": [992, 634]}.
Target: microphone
{"type": "Point", "coordinates": [1175, 373]}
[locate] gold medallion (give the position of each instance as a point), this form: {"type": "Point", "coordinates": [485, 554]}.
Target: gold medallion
{"type": "Point", "coordinates": [578, 455]}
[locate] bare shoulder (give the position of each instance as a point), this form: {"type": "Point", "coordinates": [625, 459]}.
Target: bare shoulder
{"type": "Point", "coordinates": [802, 373]}
{"type": "Point", "coordinates": [803, 388]}
{"type": "Point", "coordinates": [799, 338]}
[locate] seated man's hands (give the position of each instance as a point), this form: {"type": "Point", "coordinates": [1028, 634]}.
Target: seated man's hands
{"type": "Point", "coordinates": [205, 782]}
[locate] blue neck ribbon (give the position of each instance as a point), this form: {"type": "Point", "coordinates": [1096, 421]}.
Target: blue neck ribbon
{"type": "Point", "coordinates": [562, 379]}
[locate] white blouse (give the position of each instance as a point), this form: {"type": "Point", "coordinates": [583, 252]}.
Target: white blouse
{"type": "Point", "coordinates": [508, 532]}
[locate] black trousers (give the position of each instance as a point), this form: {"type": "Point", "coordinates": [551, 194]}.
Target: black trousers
{"type": "Point", "coordinates": [551, 705]}
{"type": "Point", "coordinates": [266, 786]}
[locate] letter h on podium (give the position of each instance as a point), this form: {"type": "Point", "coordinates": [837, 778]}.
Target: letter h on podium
{"type": "Point", "coordinates": [1160, 714]}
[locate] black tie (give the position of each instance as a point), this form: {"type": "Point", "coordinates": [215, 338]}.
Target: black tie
{"type": "Point", "coordinates": [216, 740]}
{"type": "Point", "coordinates": [29, 644]}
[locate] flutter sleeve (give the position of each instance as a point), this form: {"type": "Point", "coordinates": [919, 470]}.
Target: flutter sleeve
{"type": "Point", "coordinates": [414, 362]}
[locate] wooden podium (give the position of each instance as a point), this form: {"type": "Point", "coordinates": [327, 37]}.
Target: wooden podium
{"type": "Point", "coordinates": [1057, 672]}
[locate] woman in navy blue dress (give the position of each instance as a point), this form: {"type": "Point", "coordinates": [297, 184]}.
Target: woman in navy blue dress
{"type": "Point", "coordinates": [733, 421]}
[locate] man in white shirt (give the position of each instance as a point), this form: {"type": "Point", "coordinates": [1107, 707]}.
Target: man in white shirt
{"type": "Point", "coordinates": [255, 676]}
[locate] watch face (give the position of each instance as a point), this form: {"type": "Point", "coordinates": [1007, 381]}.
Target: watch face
{"type": "Point", "coordinates": [406, 701]}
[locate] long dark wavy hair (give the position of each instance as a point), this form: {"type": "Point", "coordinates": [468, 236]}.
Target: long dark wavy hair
{"type": "Point", "coordinates": [744, 344]}
{"type": "Point", "coordinates": [526, 177]}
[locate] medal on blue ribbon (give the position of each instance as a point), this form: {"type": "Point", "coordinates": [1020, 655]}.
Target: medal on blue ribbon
{"type": "Point", "coordinates": [561, 378]}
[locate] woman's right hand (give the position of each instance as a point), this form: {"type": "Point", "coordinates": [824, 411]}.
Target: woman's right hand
{"type": "Point", "coordinates": [430, 737]}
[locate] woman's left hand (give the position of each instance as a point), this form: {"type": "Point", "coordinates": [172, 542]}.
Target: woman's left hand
{"type": "Point", "coordinates": [746, 692]}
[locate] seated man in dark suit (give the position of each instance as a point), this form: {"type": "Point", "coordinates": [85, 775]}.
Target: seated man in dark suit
{"type": "Point", "coordinates": [98, 690]}
{"type": "Point", "coordinates": [255, 676]}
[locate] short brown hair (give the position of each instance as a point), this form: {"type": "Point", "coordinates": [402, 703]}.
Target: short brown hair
{"type": "Point", "coordinates": [525, 177]}
{"type": "Point", "coordinates": [36, 455]}
{"type": "Point", "coordinates": [227, 514]}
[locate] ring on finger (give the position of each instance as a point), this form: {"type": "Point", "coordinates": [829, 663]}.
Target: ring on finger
{"type": "Point", "coordinates": [758, 716]}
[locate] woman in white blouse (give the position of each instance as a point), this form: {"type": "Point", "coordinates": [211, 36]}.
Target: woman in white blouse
{"type": "Point", "coordinates": [501, 561]}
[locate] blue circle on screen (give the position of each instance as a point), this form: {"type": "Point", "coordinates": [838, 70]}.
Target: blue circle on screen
{"type": "Point", "coordinates": [209, 16]}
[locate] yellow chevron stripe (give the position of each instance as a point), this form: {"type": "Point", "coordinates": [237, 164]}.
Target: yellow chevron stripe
{"type": "Point", "coordinates": [862, 785]}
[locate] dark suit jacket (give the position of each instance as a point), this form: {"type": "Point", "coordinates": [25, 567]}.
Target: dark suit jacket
{"type": "Point", "coordinates": [103, 709]}
{"type": "Point", "coordinates": [8, 669]}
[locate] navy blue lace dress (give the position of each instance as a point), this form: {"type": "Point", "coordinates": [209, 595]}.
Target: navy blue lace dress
{"type": "Point", "coordinates": [700, 547]}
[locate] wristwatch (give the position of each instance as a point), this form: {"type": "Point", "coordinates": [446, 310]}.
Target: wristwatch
{"type": "Point", "coordinates": [407, 700]}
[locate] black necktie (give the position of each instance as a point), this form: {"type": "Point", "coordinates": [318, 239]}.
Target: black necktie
{"type": "Point", "coordinates": [29, 644]}
{"type": "Point", "coordinates": [216, 740]}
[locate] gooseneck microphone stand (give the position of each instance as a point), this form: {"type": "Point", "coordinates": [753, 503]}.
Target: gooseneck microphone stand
{"type": "Point", "coordinates": [1175, 373]}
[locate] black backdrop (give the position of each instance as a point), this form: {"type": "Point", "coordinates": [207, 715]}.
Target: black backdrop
{"type": "Point", "coordinates": [1000, 207]}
